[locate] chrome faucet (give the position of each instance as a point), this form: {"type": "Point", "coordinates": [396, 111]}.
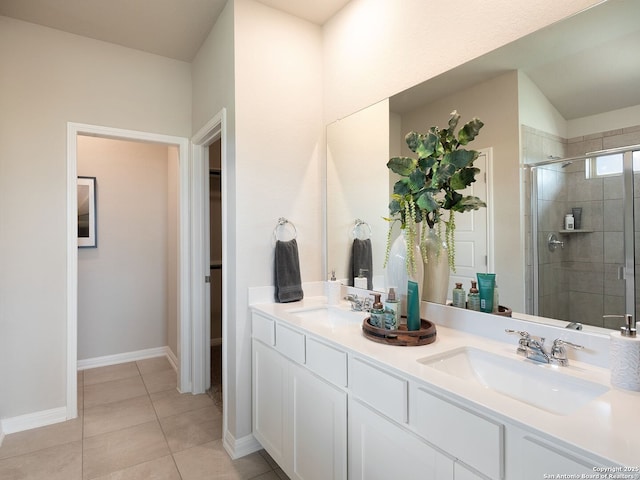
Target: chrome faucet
{"type": "Point", "coordinates": [359, 305]}
{"type": "Point", "coordinates": [532, 347]}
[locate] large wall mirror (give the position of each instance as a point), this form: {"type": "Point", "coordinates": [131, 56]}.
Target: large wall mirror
{"type": "Point", "coordinates": [564, 91]}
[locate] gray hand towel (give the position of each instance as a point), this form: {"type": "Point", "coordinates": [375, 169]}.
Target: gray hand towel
{"type": "Point", "coordinates": [362, 259]}
{"type": "Point", "coordinates": [287, 272]}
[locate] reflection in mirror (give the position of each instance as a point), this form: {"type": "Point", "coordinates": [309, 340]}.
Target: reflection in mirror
{"type": "Point", "coordinates": [562, 91]}
{"type": "Point", "coordinates": [357, 189]}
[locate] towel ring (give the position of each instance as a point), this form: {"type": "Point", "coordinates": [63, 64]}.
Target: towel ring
{"type": "Point", "coordinates": [361, 230]}
{"type": "Point", "coordinates": [281, 228]}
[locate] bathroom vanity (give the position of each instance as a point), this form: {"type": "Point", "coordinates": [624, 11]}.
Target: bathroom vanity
{"type": "Point", "coordinates": [330, 404]}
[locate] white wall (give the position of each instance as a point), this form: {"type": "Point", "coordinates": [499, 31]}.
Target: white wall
{"type": "Point", "coordinates": [375, 48]}
{"type": "Point", "coordinates": [48, 79]}
{"type": "Point", "coordinates": [616, 119]}
{"type": "Point", "coordinates": [536, 111]}
{"type": "Point", "coordinates": [279, 159]}
{"type": "Point", "coordinates": [495, 102]}
{"type": "Point", "coordinates": [123, 283]}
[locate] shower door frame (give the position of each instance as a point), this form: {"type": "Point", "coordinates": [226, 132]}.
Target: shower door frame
{"type": "Point", "coordinates": [627, 271]}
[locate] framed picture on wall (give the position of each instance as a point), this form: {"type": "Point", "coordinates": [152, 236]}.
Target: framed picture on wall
{"type": "Point", "coordinates": [87, 212]}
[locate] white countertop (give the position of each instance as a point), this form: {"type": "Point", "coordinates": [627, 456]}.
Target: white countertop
{"type": "Point", "coordinates": [608, 427]}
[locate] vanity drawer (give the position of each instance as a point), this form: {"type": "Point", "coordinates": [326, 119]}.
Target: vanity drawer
{"type": "Point", "coordinates": [382, 390]}
{"type": "Point", "coordinates": [290, 343]}
{"type": "Point", "coordinates": [263, 329]}
{"type": "Point", "coordinates": [327, 361]}
{"type": "Point", "coordinates": [471, 438]}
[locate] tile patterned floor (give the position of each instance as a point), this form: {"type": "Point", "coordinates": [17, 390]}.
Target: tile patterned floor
{"type": "Point", "coordinates": [132, 424]}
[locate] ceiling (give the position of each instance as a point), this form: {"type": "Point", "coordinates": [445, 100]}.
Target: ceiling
{"type": "Point", "coordinates": [572, 62]}
{"type": "Point", "coordinates": [584, 65]}
{"type": "Point", "coordinates": [171, 28]}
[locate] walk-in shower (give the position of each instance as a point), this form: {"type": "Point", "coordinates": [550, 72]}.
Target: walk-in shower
{"type": "Point", "coordinates": [582, 274]}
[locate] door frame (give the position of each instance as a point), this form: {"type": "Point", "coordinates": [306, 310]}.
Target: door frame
{"type": "Point", "coordinates": [186, 371]}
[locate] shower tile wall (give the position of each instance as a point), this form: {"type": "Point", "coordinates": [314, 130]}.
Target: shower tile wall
{"type": "Point", "coordinates": [539, 146]}
{"type": "Point", "coordinates": [580, 282]}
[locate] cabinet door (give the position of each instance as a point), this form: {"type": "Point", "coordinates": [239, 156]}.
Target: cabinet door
{"type": "Point", "coordinates": [460, 472]}
{"type": "Point", "coordinates": [380, 450]}
{"type": "Point", "coordinates": [319, 416]}
{"type": "Point", "coordinates": [269, 400]}
{"type": "Point", "coordinates": [539, 460]}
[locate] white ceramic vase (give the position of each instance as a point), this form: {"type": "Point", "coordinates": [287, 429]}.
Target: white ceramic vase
{"type": "Point", "coordinates": [435, 286]}
{"type": "Point", "coordinates": [396, 274]}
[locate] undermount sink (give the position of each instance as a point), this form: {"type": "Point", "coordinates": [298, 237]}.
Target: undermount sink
{"type": "Point", "coordinates": [329, 315]}
{"type": "Point", "coordinates": [533, 384]}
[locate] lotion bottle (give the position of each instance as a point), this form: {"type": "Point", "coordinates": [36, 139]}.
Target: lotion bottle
{"type": "Point", "coordinates": [391, 310]}
{"type": "Point", "coordinates": [459, 297]}
{"type": "Point", "coordinates": [474, 297]}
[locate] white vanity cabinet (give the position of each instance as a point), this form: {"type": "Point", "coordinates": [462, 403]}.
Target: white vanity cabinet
{"type": "Point", "coordinates": [379, 449]}
{"type": "Point", "coordinates": [397, 430]}
{"type": "Point", "coordinates": [298, 417]}
{"type": "Point", "coordinates": [313, 401]}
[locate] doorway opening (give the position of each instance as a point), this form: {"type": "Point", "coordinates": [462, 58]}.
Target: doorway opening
{"type": "Point", "coordinates": [185, 370]}
{"type": "Point", "coordinates": [215, 268]}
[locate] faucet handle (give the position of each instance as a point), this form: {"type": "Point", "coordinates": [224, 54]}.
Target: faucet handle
{"type": "Point", "coordinates": [522, 333]}
{"type": "Point", "coordinates": [559, 342]}
{"type": "Point", "coordinates": [525, 335]}
{"type": "Point", "coordinates": [559, 353]}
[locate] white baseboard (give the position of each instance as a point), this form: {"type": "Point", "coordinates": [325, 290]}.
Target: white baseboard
{"type": "Point", "coordinates": [126, 357]}
{"type": "Point", "coordinates": [173, 360]}
{"type": "Point", "coordinates": [240, 447]}
{"type": "Point", "coordinates": [55, 415]}
{"type": "Point", "coordinates": [33, 420]}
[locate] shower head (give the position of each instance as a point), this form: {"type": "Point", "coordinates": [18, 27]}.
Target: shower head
{"type": "Point", "coordinates": [566, 164]}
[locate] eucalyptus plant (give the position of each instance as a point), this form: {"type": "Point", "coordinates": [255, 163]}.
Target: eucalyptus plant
{"type": "Point", "coordinates": [431, 182]}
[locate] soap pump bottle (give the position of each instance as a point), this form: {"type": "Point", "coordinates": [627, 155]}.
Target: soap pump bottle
{"type": "Point", "coordinates": [361, 280]}
{"type": "Point", "coordinates": [624, 351]}
{"type": "Point", "coordinates": [474, 297]}
{"type": "Point", "coordinates": [333, 290]}
{"type": "Point", "coordinates": [377, 312]}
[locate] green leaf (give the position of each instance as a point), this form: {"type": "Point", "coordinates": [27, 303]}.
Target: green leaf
{"type": "Point", "coordinates": [394, 207]}
{"type": "Point", "coordinates": [468, 203]}
{"type": "Point", "coordinates": [451, 199]}
{"type": "Point", "coordinates": [469, 131]}
{"type": "Point", "coordinates": [442, 174]}
{"type": "Point", "coordinates": [463, 178]}
{"type": "Point", "coordinates": [453, 120]}
{"type": "Point", "coordinates": [460, 158]}
{"type": "Point", "coordinates": [412, 139]}
{"type": "Point", "coordinates": [426, 202]}
{"type": "Point", "coordinates": [402, 187]}
{"type": "Point", "coordinates": [402, 165]}
{"type": "Point", "coordinates": [428, 145]}
{"type": "Point", "coordinates": [416, 180]}
{"type": "Point", "coordinates": [425, 163]}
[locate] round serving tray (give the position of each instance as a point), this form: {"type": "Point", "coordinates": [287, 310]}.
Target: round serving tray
{"type": "Point", "coordinates": [401, 337]}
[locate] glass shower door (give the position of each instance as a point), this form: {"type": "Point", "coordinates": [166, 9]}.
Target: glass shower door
{"type": "Point", "coordinates": [586, 272]}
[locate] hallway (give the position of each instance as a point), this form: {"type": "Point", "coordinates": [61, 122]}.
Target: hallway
{"type": "Point", "coordinates": [132, 424]}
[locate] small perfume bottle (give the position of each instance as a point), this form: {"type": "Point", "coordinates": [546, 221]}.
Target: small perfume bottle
{"type": "Point", "coordinates": [459, 296]}
{"type": "Point", "coordinates": [474, 297]}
